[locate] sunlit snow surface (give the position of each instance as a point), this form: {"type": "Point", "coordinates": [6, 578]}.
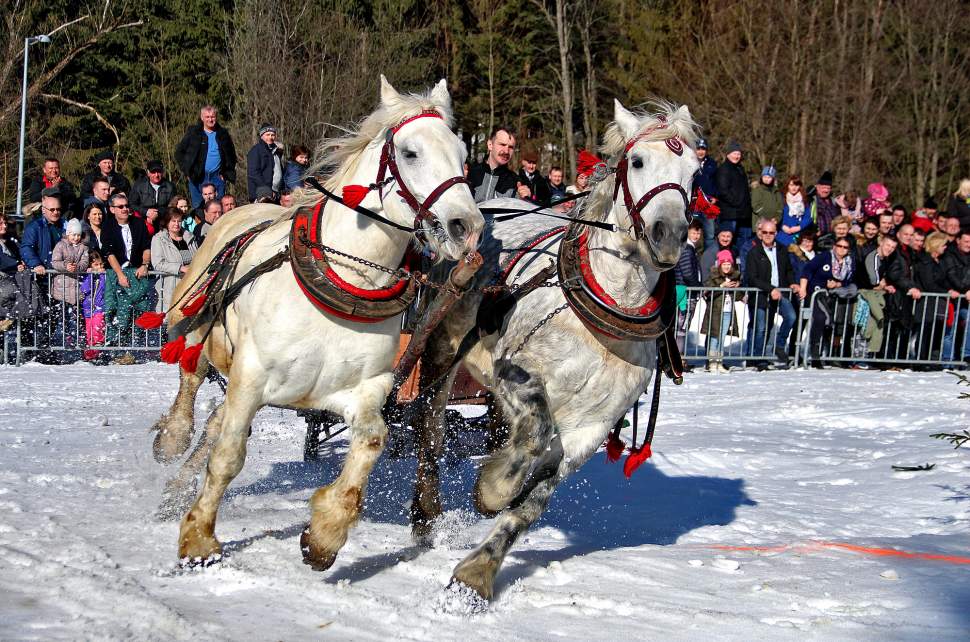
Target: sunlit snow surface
{"type": "Point", "coordinates": [720, 536]}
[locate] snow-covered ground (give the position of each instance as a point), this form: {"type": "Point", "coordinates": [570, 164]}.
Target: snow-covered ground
{"type": "Point", "coordinates": [728, 533]}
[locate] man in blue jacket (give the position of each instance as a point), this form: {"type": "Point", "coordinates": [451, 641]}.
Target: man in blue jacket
{"type": "Point", "coordinates": [264, 164]}
{"type": "Point", "coordinates": [43, 233]}
{"type": "Point", "coordinates": [705, 182]}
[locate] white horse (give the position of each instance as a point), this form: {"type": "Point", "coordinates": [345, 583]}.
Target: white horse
{"type": "Point", "coordinates": [560, 384]}
{"type": "Point", "coordinates": [277, 348]}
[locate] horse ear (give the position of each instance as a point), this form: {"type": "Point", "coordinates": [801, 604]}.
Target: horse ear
{"type": "Point", "coordinates": [389, 95]}
{"type": "Point", "coordinates": [624, 119]}
{"type": "Point", "coordinates": [684, 113]}
{"type": "Point", "coordinates": [440, 94]}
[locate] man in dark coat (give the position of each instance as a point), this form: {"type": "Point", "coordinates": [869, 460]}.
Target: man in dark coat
{"type": "Point", "coordinates": [206, 154]}
{"type": "Point", "coordinates": [734, 198]}
{"type": "Point", "coordinates": [492, 178]}
{"type": "Point", "coordinates": [264, 164]}
{"type": "Point", "coordinates": [43, 233]}
{"type": "Point", "coordinates": [105, 169]}
{"type": "Point", "coordinates": [531, 179]}
{"type": "Point", "coordinates": [822, 205]}
{"type": "Point", "coordinates": [51, 177]}
{"type": "Point", "coordinates": [956, 263]}
{"type": "Point", "coordinates": [768, 270]}
{"type": "Point", "coordinates": [125, 241]}
{"type": "Point", "coordinates": [704, 181]}
{"type": "Point", "coordinates": [151, 192]}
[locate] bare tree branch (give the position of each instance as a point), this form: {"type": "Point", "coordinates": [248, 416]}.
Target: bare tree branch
{"type": "Point", "coordinates": [87, 107]}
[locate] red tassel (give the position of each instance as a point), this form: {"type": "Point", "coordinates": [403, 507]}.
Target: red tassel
{"type": "Point", "coordinates": [194, 305]}
{"type": "Point", "coordinates": [150, 320]}
{"type": "Point", "coordinates": [703, 205]}
{"type": "Point", "coordinates": [354, 194]}
{"type": "Point", "coordinates": [190, 358]}
{"type": "Point", "coordinates": [614, 448]}
{"type": "Point", "coordinates": [587, 162]}
{"type": "Point", "coordinates": [636, 457]}
{"type": "Point", "coordinates": [172, 351]}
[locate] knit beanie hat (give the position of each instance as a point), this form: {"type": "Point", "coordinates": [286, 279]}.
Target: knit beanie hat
{"type": "Point", "coordinates": [725, 256]}
{"type": "Point", "coordinates": [73, 226]}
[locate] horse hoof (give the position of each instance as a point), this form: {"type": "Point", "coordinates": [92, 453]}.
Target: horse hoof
{"type": "Point", "coordinates": [478, 574]}
{"type": "Point", "coordinates": [199, 562]}
{"type": "Point", "coordinates": [171, 440]}
{"type": "Point", "coordinates": [313, 556]}
{"type": "Point", "coordinates": [461, 599]}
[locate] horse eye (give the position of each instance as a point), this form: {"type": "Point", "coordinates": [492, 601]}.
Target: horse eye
{"type": "Point", "coordinates": [637, 162]}
{"type": "Point", "coordinates": [410, 154]}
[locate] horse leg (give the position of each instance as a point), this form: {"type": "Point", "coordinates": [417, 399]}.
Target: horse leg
{"type": "Point", "coordinates": [426, 504]}
{"type": "Point", "coordinates": [335, 508]}
{"type": "Point", "coordinates": [173, 432]}
{"type": "Point", "coordinates": [181, 489]}
{"type": "Point", "coordinates": [197, 540]}
{"type": "Point", "coordinates": [524, 407]}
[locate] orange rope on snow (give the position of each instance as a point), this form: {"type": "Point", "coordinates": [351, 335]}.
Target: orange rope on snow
{"type": "Point", "coordinates": [855, 548]}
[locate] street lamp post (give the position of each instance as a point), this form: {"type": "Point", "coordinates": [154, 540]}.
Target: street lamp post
{"type": "Point", "coordinates": [43, 38]}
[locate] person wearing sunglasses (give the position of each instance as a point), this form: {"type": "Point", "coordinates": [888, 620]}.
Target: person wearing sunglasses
{"type": "Point", "coordinates": [43, 233]}
{"type": "Point", "coordinates": [769, 269]}
{"type": "Point", "coordinates": [833, 273]}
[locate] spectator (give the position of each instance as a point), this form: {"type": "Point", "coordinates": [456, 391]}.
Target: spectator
{"type": "Point", "coordinates": [868, 240]}
{"type": "Point", "coordinates": [101, 189]}
{"type": "Point", "coordinates": [959, 205]}
{"type": "Point", "coordinates": [899, 216]}
{"type": "Point", "coordinates": [181, 203]}
{"type": "Point", "coordinates": [206, 154]}
{"type": "Point", "coordinates": [51, 177]}
{"type": "Point", "coordinates": [92, 227]}
{"type": "Point", "coordinates": [802, 252]}
{"type": "Point", "coordinates": [70, 256]}
{"type": "Point", "coordinates": [930, 275]}
{"type": "Point", "coordinates": [925, 217]}
{"type": "Point", "coordinates": [557, 187]}
{"type": "Point", "coordinates": [822, 206]}
{"type": "Point", "coordinates": [172, 251]}
{"type": "Point", "coordinates": [705, 181]}
{"type": "Point", "coordinates": [878, 201]}
{"type": "Point", "coordinates": [92, 305]}
{"type": "Point", "coordinates": [105, 168]}
{"type": "Point", "coordinates": [874, 289]}
{"type": "Point", "coordinates": [766, 201]}
{"type": "Point", "coordinates": [720, 319]}
{"type": "Point", "coordinates": [951, 227]}
{"type": "Point", "coordinates": [734, 198]}
{"type": "Point", "coordinates": [832, 273]}
{"type": "Point", "coordinates": [795, 217]}
{"type": "Point", "coordinates": [532, 185]}
{"type": "Point", "coordinates": [851, 206]}
{"type": "Point", "coordinates": [40, 237]}
{"type": "Point", "coordinates": [286, 199]}
{"type": "Point", "coordinates": [195, 218]}
{"type": "Point", "coordinates": [688, 274]}
{"type": "Point", "coordinates": [492, 178]}
{"type": "Point", "coordinates": [296, 167]}
{"type": "Point", "coordinates": [209, 193]}
{"type": "Point", "coordinates": [919, 241]}
{"type": "Point", "coordinates": [264, 164]}
{"type": "Point", "coordinates": [128, 248]}
{"type": "Point", "coordinates": [151, 193]}
{"type": "Point", "coordinates": [228, 203]}
{"type": "Point", "coordinates": [723, 241]}
{"type": "Point", "coordinates": [581, 185]}
{"type": "Point", "coordinates": [212, 213]}
{"type": "Point", "coordinates": [15, 281]}
{"type": "Point", "coordinates": [768, 270]}
{"type": "Point", "coordinates": [886, 223]}
{"type": "Point", "coordinates": [840, 230]}
{"type": "Point", "coordinates": [956, 263]}
{"type": "Point", "coordinates": [900, 305]}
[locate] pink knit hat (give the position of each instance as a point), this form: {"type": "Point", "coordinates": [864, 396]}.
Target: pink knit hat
{"type": "Point", "coordinates": [725, 256]}
{"type": "Point", "coordinates": [878, 191]}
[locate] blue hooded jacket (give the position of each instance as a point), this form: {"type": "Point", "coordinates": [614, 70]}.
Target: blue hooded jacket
{"type": "Point", "coordinates": [37, 244]}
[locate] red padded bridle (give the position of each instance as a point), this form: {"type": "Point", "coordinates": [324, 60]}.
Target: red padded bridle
{"type": "Point", "coordinates": [422, 211]}
{"type": "Point", "coordinates": [635, 208]}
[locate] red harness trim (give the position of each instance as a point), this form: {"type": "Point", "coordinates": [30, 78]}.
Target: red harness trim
{"type": "Point", "coordinates": [380, 294]}
{"type": "Point", "coordinates": [648, 308]}
{"type": "Point", "coordinates": [326, 308]}
{"type": "Point", "coordinates": [525, 250]}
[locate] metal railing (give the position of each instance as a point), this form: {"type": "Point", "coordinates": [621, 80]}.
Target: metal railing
{"type": "Point", "coordinates": [875, 328]}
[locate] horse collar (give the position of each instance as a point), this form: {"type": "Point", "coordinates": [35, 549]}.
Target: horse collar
{"type": "Point", "coordinates": [600, 311]}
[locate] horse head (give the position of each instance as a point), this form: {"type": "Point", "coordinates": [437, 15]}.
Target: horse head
{"type": "Point", "coordinates": [655, 167]}
{"type": "Point", "coordinates": [425, 183]}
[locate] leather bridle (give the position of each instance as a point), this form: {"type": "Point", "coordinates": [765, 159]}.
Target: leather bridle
{"type": "Point", "coordinates": [635, 209]}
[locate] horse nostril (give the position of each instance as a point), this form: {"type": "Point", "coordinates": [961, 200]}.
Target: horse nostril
{"type": "Point", "coordinates": [658, 232]}
{"type": "Point", "coordinates": [457, 229]}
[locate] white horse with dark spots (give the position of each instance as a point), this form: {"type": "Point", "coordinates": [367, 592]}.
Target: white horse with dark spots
{"type": "Point", "coordinates": [276, 347]}
{"type": "Point", "coordinates": [565, 363]}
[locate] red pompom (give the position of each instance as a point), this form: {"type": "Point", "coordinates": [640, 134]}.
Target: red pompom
{"type": "Point", "coordinates": [636, 457]}
{"type": "Point", "coordinates": [587, 162]}
{"type": "Point", "coordinates": [150, 320]}
{"type": "Point", "coordinates": [194, 305]}
{"type": "Point", "coordinates": [703, 205]}
{"type": "Point", "coordinates": [190, 358]}
{"type": "Point", "coordinates": [172, 351]}
{"type": "Point", "coordinates": [354, 194]}
{"type": "Point", "coordinates": [614, 448]}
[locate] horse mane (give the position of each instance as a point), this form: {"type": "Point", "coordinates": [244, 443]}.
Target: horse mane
{"type": "Point", "coordinates": [679, 125]}
{"type": "Point", "coordinates": [337, 156]}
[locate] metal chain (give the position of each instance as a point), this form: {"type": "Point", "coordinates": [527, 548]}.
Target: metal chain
{"type": "Point", "coordinates": [546, 319]}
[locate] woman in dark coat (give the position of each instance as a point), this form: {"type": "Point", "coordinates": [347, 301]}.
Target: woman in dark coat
{"type": "Point", "coordinates": [932, 312]}
{"type": "Point", "coordinates": [833, 273]}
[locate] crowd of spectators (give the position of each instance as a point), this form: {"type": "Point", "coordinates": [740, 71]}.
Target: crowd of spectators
{"type": "Point", "coordinates": [123, 245]}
